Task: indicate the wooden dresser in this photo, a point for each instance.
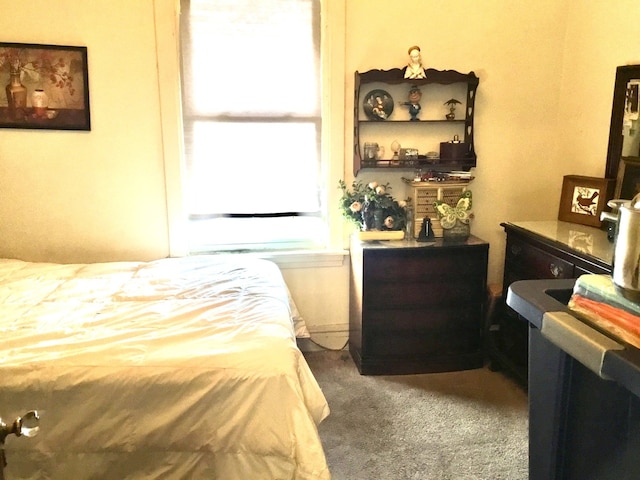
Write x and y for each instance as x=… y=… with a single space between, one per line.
x=540 y=250
x=417 y=307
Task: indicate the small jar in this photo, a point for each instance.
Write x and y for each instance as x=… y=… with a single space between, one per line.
x=39 y=102
x=370 y=151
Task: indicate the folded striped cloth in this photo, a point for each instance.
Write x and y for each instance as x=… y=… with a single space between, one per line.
x=596 y=299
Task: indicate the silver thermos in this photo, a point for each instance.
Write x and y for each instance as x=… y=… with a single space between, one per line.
x=626 y=257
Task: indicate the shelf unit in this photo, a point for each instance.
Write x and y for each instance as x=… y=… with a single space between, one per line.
x=432 y=126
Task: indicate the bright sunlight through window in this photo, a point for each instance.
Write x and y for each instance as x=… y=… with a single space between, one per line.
x=251 y=99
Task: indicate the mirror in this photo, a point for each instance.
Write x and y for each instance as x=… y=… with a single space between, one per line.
x=624 y=133
x=630 y=135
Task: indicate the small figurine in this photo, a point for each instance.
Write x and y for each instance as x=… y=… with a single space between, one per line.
x=452 y=108
x=414 y=103
x=414 y=68
x=395 y=148
x=426 y=232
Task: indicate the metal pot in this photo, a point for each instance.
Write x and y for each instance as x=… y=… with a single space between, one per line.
x=626 y=257
x=611 y=218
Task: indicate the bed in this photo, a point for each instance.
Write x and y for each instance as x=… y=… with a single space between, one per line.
x=181 y=368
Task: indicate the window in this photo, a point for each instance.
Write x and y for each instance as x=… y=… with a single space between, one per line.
x=252 y=123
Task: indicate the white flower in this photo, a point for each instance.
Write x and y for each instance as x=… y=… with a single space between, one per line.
x=373 y=185
x=380 y=190
x=388 y=222
x=402 y=203
x=355 y=207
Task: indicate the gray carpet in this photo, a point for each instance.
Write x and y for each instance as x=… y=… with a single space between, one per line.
x=470 y=425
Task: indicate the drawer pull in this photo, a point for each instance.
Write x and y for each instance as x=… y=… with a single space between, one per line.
x=516 y=249
x=555 y=270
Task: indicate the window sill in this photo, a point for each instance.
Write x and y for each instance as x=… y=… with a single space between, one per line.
x=305 y=258
x=297 y=258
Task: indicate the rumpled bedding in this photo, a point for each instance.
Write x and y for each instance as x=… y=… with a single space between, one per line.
x=182 y=368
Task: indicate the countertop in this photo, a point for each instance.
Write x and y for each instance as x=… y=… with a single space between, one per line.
x=581 y=238
x=543 y=302
x=412 y=243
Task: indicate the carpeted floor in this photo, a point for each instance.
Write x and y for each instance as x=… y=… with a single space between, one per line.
x=470 y=425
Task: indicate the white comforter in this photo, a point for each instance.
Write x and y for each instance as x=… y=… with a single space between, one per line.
x=179 y=368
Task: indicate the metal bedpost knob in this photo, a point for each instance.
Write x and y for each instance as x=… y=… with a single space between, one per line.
x=27 y=425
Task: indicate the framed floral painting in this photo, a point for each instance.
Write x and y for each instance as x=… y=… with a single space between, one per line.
x=45 y=87
x=584 y=198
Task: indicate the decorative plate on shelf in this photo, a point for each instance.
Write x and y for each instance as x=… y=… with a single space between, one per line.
x=378 y=105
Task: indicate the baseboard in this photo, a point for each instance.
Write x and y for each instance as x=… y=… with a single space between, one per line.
x=331 y=337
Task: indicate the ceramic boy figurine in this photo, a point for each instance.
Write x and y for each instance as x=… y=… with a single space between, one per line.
x=414 y=102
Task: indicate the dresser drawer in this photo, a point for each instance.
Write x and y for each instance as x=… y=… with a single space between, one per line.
x=414 y=266
x=525 y=261
x=426 y=332
x=425 y=293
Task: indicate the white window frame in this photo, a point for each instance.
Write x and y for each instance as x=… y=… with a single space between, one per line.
x=333 y=37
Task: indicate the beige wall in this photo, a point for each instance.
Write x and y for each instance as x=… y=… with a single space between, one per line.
x=517 y=54
x=546 y=73
x=598 y=39
x=99 y=195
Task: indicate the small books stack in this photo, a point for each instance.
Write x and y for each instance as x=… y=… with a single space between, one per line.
x=596 y=299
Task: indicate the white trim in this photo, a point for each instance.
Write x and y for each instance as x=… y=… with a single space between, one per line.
x=292 y=259
x=307 y=259
x=167 y=18
x=333 y=38
x=333 y=61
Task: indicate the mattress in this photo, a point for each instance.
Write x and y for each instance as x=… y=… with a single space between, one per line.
x=180 y=368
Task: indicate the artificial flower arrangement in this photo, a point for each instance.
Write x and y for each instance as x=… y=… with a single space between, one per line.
x=41 y=65
x=371 y=207
x=456 y=218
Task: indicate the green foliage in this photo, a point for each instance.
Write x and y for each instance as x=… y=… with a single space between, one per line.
x=359 y=199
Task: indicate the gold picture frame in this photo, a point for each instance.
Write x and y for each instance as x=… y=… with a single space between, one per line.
x=583 y=199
